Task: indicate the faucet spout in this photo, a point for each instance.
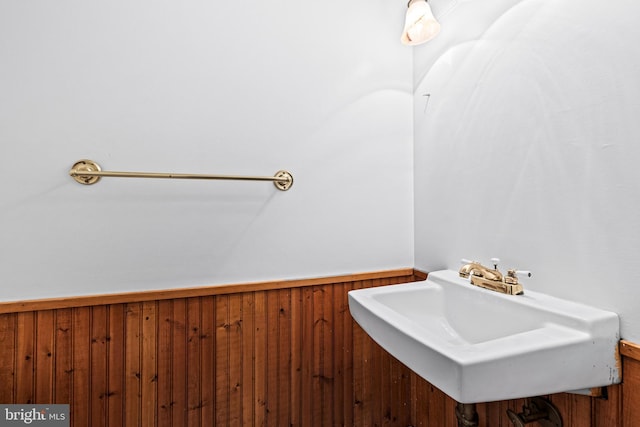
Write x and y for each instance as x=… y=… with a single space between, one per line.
x=466 y=269
x=478 y=270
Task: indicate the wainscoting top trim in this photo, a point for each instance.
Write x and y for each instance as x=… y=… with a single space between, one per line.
x=630 y=350
x=154 y=295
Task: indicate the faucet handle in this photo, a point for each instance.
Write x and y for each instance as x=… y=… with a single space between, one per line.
x=512 y=276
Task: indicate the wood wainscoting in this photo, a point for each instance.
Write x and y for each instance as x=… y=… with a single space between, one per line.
x=264 y=354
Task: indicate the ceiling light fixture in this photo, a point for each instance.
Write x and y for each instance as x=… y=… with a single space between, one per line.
x=420 y=25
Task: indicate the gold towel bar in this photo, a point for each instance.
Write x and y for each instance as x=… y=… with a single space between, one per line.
x=88 y=172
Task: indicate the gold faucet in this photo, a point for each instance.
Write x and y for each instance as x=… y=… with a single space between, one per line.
x=492 y=278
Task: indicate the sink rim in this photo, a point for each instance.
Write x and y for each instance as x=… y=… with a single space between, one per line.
x=530 y=300
x=464 y=359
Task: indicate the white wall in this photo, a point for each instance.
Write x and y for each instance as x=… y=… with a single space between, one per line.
x=527 y=147
x=322 y=89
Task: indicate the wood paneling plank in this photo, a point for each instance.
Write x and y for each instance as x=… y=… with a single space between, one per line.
x=272 y=357
x=165 y=352
x=194 y=401
x=116 y=367
x=284 y=357
x=8 y=338
x=563 y=403
x=132 y=374
x=381 y=386
x=450 y=411
x=607 y=412
x=235 y=362
x=98 y=365
x=494 y=414
x=359 y=372
x=418 y=406
x=222 y=360
x=207 y=359
x=504 y=405
x=339 y=314
x=482 y=413
x=296 y=357
x=425 y=394
x=580 y=409
x=248 y=358
x=307 y=357
x=318 y=355
x=44 y=354
x=179 y=365
x=327 y=350
x=63 y=356
x=148 y=365
x=348 y=325
x=26 y=331
x=399 y=394
x=437 y=407
x=414 y=399
x=80 y=399
x=631 y=393
x=405 y=401
x=367 y=378
x=260 y=352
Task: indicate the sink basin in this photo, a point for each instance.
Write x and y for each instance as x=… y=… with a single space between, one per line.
x=477 y=345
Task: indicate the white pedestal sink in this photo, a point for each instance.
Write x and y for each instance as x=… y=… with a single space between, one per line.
x=478 y=345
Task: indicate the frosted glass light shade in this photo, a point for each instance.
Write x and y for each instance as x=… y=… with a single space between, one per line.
x=420 y=25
